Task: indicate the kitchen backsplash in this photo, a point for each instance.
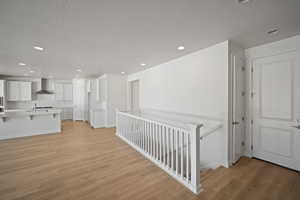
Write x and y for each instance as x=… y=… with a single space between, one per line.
x=41 y=101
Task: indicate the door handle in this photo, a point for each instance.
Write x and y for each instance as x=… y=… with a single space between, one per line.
x=235 y=123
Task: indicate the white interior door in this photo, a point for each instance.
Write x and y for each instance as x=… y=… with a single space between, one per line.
x=135 y=96
x=276 y=108
x=238 y=102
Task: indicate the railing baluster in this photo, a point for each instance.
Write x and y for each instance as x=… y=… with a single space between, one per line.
x=177 y=153
x=142 y=135
x=139 y=133
x=174 y=149
x=187 y=156
x=151 y=140
x=160 y=143
x=181 y=156
x=168 y=147
x=164 y=147
x=157 y=141
x=148 y=138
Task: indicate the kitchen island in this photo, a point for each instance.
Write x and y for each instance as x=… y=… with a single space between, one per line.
x=21 y=123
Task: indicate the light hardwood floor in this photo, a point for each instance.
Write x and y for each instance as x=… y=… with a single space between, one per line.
x=85 y=163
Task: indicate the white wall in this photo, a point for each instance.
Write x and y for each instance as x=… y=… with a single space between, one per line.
x=272 y=49
x=195 y=84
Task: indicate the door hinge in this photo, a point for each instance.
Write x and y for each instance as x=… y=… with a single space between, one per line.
x=251 y=147
x=252 y=94
x=235 y=123
x=252 y=70
x=243 y=68
x=243 y=143
x=243 y=118
x=252 y=121
x=243 y=93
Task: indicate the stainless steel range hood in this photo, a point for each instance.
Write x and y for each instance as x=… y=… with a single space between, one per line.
x=45 y=87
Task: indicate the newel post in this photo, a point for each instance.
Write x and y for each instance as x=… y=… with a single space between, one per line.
x=195 y=157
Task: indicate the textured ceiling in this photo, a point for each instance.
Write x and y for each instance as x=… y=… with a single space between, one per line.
x=114 y=36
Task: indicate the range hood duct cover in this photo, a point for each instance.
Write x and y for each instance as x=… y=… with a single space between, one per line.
x=45 y=87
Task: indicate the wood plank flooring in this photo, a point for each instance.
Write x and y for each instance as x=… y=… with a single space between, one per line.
x=85 y=163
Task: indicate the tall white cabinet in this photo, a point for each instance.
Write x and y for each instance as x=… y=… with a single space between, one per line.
x=2 y=100
x=111 y=95
x=1 y=88
x=64 y=98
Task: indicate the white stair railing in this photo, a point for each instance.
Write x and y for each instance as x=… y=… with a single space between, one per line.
x=175 y=150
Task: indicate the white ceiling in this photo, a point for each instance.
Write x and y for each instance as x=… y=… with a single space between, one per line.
x=110 y=36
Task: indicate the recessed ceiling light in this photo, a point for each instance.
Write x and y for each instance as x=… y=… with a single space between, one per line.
x=31 y=71
x=122 y=72
x=243 y=1
x=78 y=70
x=38 y=48
x=180 y=48
x=143 y=64
x=21 y=64
x=273 y=31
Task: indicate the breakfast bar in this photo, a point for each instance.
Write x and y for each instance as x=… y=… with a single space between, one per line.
x=21 y=123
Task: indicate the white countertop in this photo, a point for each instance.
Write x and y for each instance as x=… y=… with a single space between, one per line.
x=65 y=106
x=20 y=113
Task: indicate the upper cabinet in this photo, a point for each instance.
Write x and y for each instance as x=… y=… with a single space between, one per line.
x=102 y=88
x=63 y=91
x=25 y=91
x=59 y=91
x=19 y=91
x=1 y=88
x=68 y=92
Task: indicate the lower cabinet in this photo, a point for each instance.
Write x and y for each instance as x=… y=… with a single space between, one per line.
x=97 y=118
x=67 y=113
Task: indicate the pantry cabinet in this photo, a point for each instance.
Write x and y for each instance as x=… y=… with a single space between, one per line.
x=111 y=95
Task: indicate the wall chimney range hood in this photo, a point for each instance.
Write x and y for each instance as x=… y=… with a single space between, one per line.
x=45 y=87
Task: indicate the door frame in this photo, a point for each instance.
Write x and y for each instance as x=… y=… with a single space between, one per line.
x=232 y=108
x=130 y=84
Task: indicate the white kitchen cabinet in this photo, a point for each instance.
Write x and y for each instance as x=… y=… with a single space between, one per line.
x=18 y=91
x=97 y=118
x=111 y=95
x=67 y=113
x=68 y=92
x=102 y=88
x=63 y=91
x=59 y=92
x=25 y=91
x=13 y=93
x=1 y=88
